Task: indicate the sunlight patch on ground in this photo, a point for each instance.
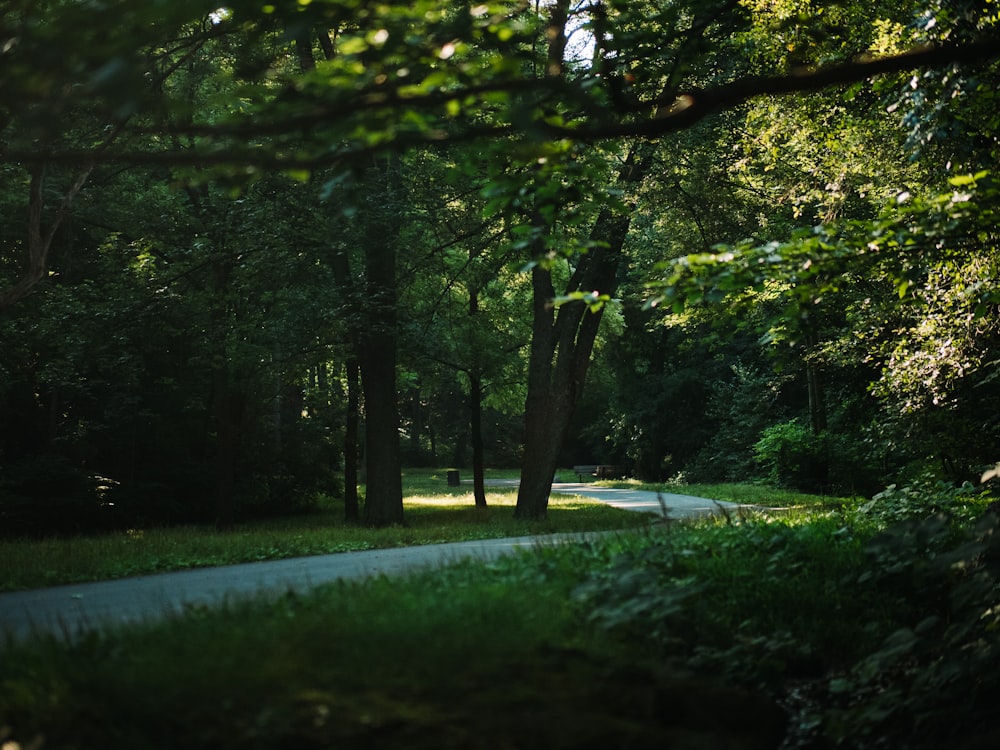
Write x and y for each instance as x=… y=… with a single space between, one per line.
x=459 y=501
x=494 y=500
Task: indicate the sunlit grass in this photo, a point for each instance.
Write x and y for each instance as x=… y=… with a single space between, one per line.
x=434 y=512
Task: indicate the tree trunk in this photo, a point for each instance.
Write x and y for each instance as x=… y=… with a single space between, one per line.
x=540 y=452
x=384 y=498
x=352 y=509
x=561 y=345
x=476 y=417
x=225 y=449
x=476 y=425
x=39 y=241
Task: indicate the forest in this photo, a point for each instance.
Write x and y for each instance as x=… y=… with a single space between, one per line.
x=257 y=252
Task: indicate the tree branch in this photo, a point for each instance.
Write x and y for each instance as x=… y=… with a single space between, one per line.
x=679 y=113
x=693 y=106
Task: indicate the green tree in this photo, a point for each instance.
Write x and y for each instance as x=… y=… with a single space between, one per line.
x=466 y=304
x=270 y=89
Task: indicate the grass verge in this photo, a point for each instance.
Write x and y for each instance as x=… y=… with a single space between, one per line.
x=835 y=627
x=475 y=655
x=435 y=513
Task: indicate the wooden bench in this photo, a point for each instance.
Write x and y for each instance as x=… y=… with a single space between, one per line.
x=600 y=471
x=611 y=471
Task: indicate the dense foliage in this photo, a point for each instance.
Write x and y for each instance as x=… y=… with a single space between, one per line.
x=260 y=253
x=874 y=626
x=246 y=249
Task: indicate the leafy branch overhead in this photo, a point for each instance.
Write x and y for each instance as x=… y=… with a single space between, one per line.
x=912 y=240
x=394 y=75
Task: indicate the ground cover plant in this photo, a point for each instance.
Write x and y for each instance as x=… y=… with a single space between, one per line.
x=835 y=627
x=436 y=513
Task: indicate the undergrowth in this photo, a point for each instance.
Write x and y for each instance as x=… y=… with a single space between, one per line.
x=875 y=626
x=866 y=626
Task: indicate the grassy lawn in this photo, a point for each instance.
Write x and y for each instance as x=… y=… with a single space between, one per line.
x=696 y=635
x=470 y=656
x=435 y=513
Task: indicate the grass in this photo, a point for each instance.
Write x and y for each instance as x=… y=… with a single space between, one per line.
x=429 y=661
x=473 y=655
x=435 y=513
x=682 y=636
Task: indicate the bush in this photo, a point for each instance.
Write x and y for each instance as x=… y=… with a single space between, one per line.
x=793 y=456
x=740 y=408
x=920 y=499
x=873 y=634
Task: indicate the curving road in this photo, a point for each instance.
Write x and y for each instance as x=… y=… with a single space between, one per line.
x=676 y=506
x=71 y=610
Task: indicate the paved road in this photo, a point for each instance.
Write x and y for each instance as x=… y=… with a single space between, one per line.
x=70 y=610
x=677 y=506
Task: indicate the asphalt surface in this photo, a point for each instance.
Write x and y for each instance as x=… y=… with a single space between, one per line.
x=676 y=506
x=69 y=611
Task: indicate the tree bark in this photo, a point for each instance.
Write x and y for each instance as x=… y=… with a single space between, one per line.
x=476 y=426
x=40 y=241
x=384 y=497
x=476 y=414
x=352 y=509
x=561 y=345
x=378 y=343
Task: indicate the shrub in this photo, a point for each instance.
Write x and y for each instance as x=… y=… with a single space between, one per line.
x=740 y=408
x=793 y=456
x=920 y=499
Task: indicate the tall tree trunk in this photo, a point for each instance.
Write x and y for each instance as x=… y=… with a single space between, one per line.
x=352 y=509
x=341 y=267
x=476 y=415
x=224 y=402
x=378 y=343
x=384 y=497
x=476 y=426
x=359 y=358
x=561 y=345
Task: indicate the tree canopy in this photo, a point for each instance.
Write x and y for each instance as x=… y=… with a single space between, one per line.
x=215 y=217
